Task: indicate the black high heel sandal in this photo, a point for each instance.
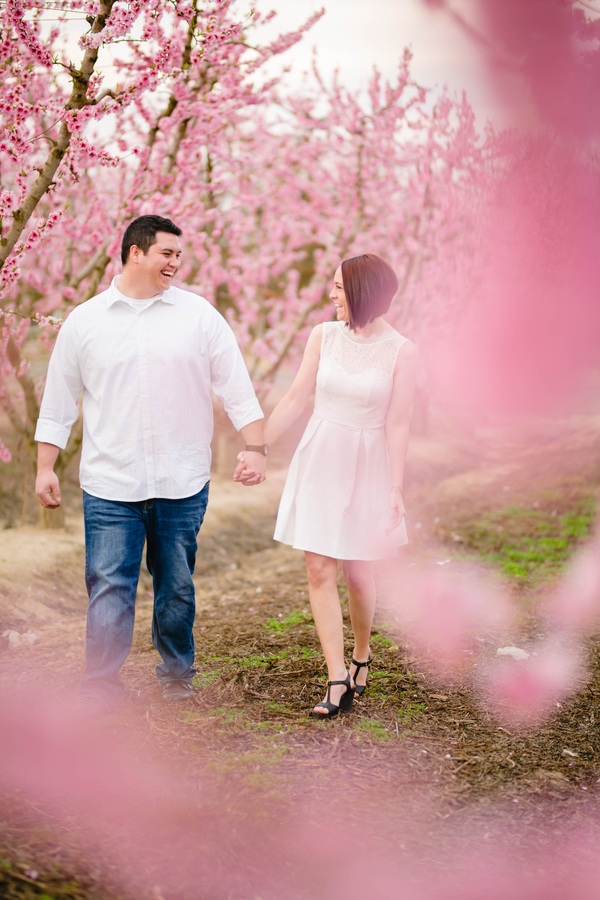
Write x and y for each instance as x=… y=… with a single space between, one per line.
x=345 y=703
x=360 y=688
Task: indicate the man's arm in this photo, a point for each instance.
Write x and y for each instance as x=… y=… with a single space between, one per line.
x=231 y=382
x=47 y=488
x=58 y=412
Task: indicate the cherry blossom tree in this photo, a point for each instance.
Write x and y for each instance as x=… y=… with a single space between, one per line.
x=72 y=172
x=272 y=185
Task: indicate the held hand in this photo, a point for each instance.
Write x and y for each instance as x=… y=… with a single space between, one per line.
x=397 y=510
x=47 y=489
x=241 y=465
x=250 y=469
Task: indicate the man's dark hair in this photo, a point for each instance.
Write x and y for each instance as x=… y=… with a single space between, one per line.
x=369 y=284
x=142 y=233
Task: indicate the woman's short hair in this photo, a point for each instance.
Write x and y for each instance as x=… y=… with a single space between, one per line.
x=369 y=285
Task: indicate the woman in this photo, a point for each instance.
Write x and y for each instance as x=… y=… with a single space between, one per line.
x=342 y=499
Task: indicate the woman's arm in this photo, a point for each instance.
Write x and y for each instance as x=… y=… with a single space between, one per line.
x=397 y=425
x=292 y=404
x=294 y=401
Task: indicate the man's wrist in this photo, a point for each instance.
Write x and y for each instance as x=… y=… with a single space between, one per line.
x=257 y=448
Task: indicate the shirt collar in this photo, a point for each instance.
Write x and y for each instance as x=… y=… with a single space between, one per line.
x=116 y=295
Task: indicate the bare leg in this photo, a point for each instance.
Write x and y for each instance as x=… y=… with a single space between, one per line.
x=361 y=603
x=327 y=613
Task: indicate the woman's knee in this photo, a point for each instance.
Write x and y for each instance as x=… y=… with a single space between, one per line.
x=359 y=578
x=321 y=570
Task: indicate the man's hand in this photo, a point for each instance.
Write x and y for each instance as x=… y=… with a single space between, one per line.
x=251 y=468
x=47 y=489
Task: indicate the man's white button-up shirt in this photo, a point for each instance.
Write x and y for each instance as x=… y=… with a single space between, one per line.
x=147 y=377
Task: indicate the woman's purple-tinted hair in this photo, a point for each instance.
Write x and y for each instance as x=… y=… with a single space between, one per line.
x=369 y=284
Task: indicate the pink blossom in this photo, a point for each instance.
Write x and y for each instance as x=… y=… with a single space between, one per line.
x=270 y=184
x=574 y=605
x=523 y=693
x=50 y=321
x=113 y=784
x=444 y=614
x=532 y=334
x=32 y=239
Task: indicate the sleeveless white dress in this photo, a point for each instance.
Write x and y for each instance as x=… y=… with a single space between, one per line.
x=336 y=496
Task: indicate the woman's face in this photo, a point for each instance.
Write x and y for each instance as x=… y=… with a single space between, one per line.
x=338 y=296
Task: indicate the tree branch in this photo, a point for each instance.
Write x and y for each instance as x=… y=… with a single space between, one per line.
x=77 y=100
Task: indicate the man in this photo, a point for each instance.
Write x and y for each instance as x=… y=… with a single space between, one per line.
x=147 y=357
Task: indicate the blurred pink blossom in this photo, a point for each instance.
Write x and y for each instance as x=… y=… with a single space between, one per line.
x=443 y=615
x=575 y=603
x=530 y=332
x=524 y=693
x=134 y=811
x=528 y=336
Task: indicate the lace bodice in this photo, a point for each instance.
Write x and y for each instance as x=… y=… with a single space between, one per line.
x=354 y=381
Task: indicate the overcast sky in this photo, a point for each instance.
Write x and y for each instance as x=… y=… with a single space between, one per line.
x=355 y=35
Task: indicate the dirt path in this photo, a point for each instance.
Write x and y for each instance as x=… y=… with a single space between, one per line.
x=417 y=772
x=42 y=590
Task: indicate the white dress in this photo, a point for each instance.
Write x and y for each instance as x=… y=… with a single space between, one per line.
x=336 y=496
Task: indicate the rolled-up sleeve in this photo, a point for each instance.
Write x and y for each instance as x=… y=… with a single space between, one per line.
x=229 y=376
x=59 y=409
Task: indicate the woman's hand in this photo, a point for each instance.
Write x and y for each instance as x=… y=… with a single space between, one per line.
x=397 y=509
x=247 y=475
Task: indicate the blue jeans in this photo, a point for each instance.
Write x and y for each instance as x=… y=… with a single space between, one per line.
x=115 y=533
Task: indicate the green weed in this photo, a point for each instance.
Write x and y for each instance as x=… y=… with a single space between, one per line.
x=234 y=662
x=277 y=626
x=306 y=653
x=410 y=712
x=265 y=727
x=221 y=661
x=378 y=684
x=373 y=729
x=227 y=714
x=382 y=641
x=274 y=707
x=204 y=679
x=531 y=544
x=251 y=662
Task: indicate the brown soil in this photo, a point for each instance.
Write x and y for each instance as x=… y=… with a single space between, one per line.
x=418 y=773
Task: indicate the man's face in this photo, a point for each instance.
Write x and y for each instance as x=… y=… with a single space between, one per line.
x=156 y=268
